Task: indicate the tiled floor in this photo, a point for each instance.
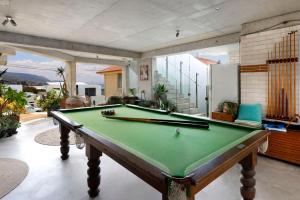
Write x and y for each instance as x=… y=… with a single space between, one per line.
x=51 y=178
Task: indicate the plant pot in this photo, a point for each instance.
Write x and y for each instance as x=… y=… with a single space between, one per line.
x=8 y=132
x=74 y=102
x=3 y=134
x=130 y=99
x=11 y=132
x=62 y=103
x=49 y=113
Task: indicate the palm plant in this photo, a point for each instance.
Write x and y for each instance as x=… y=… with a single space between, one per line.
x=63 y=87
x=132 y=91
x=160 y=95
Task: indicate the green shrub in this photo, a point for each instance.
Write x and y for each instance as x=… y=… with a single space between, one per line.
x=8 y=125
x=132 y=91
x=146 y=103
x=115 y=100
x=50 y=102
x=160 y=95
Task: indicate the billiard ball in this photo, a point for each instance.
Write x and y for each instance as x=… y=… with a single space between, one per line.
x=108 y=112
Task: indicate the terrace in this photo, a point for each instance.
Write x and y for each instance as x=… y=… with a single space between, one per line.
x=197 y=59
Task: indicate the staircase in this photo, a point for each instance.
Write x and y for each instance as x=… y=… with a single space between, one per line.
x=181 y=102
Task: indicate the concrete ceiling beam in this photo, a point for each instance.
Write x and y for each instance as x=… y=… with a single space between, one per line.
x=281 y=21
x=7 y=51
x=101 y=61
x=49 y=53
x=201 y=44
x=43 y=42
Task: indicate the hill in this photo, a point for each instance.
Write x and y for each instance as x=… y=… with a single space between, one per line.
x=24 y=79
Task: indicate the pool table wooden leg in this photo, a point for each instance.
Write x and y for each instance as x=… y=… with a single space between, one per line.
x=93 y=171
x=64 y=142
x=247 y=179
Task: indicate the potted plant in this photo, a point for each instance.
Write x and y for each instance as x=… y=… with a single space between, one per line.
x=229 y=108
x=50 y=102
x=64 y=94
x=160 y=95
x=8 y=125
x=12 y=104
x=132 y=98
x=168 y=106
x=114 y=100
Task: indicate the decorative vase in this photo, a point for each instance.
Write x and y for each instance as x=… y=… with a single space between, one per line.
x=62 y=103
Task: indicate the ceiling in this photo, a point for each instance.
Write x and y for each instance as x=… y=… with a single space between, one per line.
x=138 y=25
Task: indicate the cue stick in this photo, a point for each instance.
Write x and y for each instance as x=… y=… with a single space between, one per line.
x=283 y=79
x=271 y=86
x=275 y=82
x=278 y=81
x=289 y=83
x=279 y=78
x=197 y=124
x=287 y=79
x=152 y=119
x=280 y=55
x=295 y=75
x=290 y=77
x=268 y=110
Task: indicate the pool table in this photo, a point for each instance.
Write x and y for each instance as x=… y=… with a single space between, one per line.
x=176 y=164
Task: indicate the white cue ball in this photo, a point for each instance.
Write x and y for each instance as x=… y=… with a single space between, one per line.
x=178 y=130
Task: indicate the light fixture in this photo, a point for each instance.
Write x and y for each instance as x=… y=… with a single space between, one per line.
x=177 y=33
x=217 y=9
x=9 y=19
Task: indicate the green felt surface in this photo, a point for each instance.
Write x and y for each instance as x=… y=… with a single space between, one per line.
x=158 y=144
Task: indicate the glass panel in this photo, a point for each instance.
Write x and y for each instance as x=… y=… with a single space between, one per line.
x=186 y=78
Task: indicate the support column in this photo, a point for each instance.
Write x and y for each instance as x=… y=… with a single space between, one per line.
x=180 y=78
x=70 y=70
x=167 y=68
x=125 y=76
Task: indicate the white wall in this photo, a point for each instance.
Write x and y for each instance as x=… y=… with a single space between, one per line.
x=99 y=98
x=254 y=51
x=223 y=85
x=133 y=75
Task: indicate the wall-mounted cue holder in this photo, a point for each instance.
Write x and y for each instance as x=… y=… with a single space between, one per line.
x=282 y=79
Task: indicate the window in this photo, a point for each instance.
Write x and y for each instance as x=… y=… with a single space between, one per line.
x=119 y=80
x=90 y=92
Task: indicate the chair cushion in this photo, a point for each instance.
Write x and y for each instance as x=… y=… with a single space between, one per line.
x=254 y=124
x=250 y=112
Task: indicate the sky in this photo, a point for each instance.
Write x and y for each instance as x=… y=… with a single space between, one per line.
x=44 y=66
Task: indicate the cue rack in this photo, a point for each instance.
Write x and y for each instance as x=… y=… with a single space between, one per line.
x=282 y=79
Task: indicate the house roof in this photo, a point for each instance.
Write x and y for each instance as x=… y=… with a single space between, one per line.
x=207 y=61
x=110 y=69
